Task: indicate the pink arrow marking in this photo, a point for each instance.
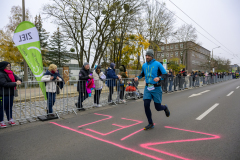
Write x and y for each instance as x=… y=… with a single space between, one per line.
x=147 y=145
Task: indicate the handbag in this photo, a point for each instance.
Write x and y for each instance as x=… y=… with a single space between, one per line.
x=57 y=89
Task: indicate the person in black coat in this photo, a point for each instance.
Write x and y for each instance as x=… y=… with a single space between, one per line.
x=170 y=78
x=84 y=75
x=111 y=80
x=8 y=83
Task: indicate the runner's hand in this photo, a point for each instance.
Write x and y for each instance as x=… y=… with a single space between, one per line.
x=51 y=78
x=136 y=79
x=156 y=79
x=57 y=78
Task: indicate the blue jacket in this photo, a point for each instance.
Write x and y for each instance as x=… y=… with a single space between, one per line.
x=111 y=77
x=151 y=70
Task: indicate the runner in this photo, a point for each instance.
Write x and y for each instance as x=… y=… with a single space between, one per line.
x=153 y=72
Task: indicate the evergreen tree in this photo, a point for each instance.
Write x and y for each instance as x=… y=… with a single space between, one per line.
x=57 y=49
x=43 y=38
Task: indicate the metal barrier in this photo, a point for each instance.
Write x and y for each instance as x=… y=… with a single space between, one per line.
x=30 y=102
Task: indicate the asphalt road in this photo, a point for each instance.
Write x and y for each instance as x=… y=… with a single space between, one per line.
x=115 y=132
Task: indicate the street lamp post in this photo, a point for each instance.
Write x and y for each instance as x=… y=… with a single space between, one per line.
x=212 y=55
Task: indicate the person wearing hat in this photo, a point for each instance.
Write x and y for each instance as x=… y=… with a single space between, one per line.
x=84 y=75
x=8 y=83
x=111 y=80
x=51 y=78
x=98 y=77
x=154 y=72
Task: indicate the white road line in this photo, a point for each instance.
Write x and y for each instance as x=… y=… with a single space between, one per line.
x=230 y=93
x=237 y=87
x=199 y=94
x=207 y=111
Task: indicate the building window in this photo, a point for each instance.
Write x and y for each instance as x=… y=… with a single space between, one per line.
x=181 y=45
x=162 y=55
x=171 y=55
x=162 y=48
x=193 y=54
x=167 y=54
x=181 y=53
x=167 y=47
x=176 y=46
x=176 y=54
x=171 y=46
x=158 y=55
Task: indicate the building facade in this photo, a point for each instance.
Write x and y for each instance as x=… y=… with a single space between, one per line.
x=190 y=54
x=234 y=68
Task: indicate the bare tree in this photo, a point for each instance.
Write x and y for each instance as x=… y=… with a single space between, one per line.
x=160 y=22
x=90 y=24
x=185 y=33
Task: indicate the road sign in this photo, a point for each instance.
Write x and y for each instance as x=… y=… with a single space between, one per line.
x=165 y=63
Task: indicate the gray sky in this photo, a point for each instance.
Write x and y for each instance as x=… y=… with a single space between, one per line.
x=221 y=18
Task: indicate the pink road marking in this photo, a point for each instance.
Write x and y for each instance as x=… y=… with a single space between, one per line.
x=121 y=127
x=131 y=134
x=146 y=145
x=109 y=117
x=118 y=125
x=109 y=142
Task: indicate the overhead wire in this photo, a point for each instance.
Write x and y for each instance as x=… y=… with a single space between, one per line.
x=200 y=32
x=200 y=26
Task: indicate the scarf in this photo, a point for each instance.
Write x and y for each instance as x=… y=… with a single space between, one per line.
x=55 y=75
x=10 y=75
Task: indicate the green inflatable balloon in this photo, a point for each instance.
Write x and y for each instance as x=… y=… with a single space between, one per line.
x=27 y=41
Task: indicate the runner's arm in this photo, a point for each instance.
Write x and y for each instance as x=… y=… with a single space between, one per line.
x=141 y=75
x=161 y=71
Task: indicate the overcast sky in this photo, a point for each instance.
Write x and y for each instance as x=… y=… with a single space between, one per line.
x=220 y=18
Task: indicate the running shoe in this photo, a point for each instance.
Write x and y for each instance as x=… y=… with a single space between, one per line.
x=167 y=112
x=150 y=126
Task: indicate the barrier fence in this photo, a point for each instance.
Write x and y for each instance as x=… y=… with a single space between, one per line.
x=29 y=102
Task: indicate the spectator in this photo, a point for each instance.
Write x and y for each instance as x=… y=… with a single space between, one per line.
x=123 y=82
x=8 y=83
x=237 y=75
x=98 y=77
x=50 y=78
x=164 y=82
x=211 y=77
x=184 y=80
x=84 y=75
x=203 y=77
x=111 y=80
x=170 y=77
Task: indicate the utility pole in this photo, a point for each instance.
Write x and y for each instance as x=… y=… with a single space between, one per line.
x=25 y=63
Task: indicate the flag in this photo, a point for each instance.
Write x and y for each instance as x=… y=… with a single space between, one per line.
x=27 y=41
